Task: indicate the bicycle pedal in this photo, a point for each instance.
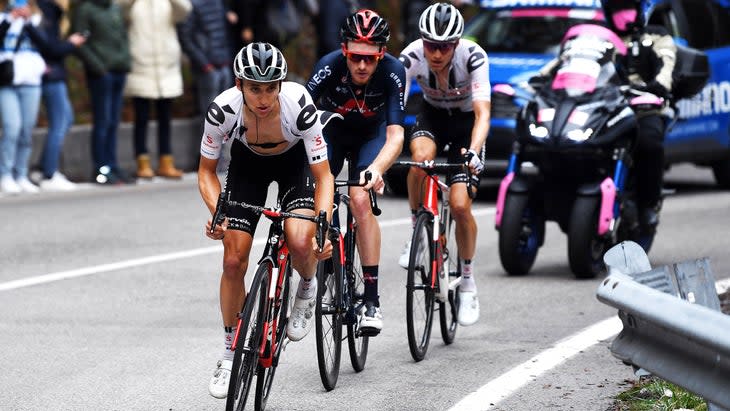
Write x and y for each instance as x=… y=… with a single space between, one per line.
x=368 y=332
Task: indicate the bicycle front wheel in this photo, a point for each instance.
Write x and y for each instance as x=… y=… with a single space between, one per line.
x=245 y=360
x=419 y=290
x=328 y=326
x=356 y=342
x=276 y=340
x=449 y=308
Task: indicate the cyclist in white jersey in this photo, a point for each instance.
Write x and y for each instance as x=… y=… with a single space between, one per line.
x=277 y=136
x=454 y=76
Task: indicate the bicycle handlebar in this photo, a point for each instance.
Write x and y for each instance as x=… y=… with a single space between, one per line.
x=371 y=193
x=272 y=213
x=430 y=166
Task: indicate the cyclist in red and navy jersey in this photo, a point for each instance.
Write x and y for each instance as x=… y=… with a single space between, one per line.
x=277 y=136
x=365 y=85
x=454 y=76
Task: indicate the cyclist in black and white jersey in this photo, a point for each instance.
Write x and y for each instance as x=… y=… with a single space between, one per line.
x=277 y=136
x=454 y=76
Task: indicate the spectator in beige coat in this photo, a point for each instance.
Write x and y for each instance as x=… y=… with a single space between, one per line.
x=156 y=76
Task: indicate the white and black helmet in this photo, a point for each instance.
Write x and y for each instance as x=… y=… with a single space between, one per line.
x=441 y=22
x=260 y=62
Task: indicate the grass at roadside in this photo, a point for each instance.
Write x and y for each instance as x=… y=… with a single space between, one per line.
x=655 y=394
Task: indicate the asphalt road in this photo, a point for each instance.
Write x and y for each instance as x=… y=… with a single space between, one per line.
x=109 y=301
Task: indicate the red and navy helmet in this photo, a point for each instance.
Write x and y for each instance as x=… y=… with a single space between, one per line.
x=365 y=26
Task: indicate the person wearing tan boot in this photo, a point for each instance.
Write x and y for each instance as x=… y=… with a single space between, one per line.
x=155 y=78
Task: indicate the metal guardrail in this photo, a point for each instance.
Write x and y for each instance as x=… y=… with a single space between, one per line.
x=679 y=341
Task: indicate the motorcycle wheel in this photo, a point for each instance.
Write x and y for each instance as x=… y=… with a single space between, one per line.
x=519 y=235
x=585 y=246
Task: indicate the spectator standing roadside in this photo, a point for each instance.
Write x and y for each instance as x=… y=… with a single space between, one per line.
x=106 y=61
x=331 y=15
x=49 y=36
x=19 y=100
x=204 y=39
x=155 y=77
x=410 y=14
x=236 y=16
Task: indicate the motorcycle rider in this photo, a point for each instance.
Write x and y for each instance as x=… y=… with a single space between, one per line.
x=648 y=66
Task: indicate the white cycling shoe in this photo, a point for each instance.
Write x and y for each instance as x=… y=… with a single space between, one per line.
x=405 y=256
x=302 y=316
x=468 y=308
x=218 y=386
x=370 y=320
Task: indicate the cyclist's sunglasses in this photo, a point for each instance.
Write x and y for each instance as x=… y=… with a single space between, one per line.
x=368 y=58
x=432 y=46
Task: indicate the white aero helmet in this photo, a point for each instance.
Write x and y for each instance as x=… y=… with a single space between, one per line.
x=441 y=22
x=260 y=62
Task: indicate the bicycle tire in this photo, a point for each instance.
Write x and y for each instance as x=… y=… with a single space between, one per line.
x=245 y=360
x=449 y=309
x=419 y=282
x=357 y=344
x=328 y=312
x=265 y=376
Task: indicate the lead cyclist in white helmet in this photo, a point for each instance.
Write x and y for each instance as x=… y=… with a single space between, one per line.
x=277 y=136
x=454 y=76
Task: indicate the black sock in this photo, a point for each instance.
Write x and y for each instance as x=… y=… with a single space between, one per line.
x=370 y=277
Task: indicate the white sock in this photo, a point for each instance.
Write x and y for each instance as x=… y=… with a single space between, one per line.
x=306 y=287
x=230 y=334
x=467 y=281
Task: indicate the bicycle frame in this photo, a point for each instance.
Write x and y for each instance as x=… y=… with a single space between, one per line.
x=439 y=213
x=277 y=252
x=346 y=245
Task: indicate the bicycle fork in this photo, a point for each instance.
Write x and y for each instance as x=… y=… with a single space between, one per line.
x=269 y=344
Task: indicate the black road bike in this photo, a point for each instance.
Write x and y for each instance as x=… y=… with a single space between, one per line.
x=340 y=294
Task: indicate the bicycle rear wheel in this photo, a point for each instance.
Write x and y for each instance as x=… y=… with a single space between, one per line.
x=356 y=342
x=245 y=360
x=419 y=291
x=280 y=313
x=449 y=309
x=328 y=326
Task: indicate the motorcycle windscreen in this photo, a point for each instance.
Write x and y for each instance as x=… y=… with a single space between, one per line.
x=577 y=76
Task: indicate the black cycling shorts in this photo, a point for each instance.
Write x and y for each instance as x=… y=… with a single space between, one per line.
x=249 y=177
x=451 y=131
x=359 y=147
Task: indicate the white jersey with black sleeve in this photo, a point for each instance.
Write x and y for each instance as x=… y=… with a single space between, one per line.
x=468 y=76
x=300 y=120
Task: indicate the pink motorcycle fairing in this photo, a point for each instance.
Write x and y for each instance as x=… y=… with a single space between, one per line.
x=647 y=99
x=503 y=186
x=608 y=197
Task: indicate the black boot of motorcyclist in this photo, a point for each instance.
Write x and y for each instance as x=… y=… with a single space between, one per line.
x=650 y=175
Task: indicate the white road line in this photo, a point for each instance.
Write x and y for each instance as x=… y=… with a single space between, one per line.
x=500 y=388
x=105 y=268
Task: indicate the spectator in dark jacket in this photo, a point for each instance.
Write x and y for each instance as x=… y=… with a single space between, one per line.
x=106 y=61
x=59 y=111
x=204 y=39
